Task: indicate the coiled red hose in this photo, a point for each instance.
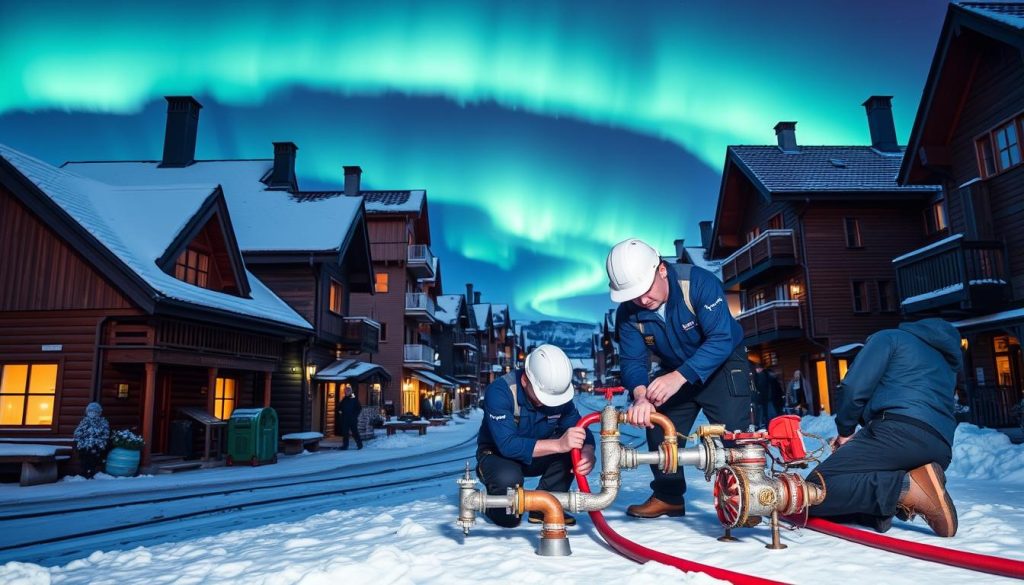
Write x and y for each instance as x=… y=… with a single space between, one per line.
x=926 y=552
x=642 y=554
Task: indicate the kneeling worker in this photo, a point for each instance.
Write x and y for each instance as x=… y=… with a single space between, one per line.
x=900 y=388
x=528 y=431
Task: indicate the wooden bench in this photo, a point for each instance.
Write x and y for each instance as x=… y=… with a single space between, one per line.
x=38 y=462
x=417 y=425
x=439 y=422
x=294 y=443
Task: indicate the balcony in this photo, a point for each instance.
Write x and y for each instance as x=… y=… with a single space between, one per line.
x=953 y=274
x=420 y=261
x=360 y=334
x=466 y=367
x=463 y=339
x=420 y=307
x=772 y=321
x=419 y=356
x=759 y=258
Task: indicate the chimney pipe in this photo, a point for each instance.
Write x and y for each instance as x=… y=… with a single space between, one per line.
x=353 y=175
x=680 y=249
x=705 y=235
x=880 y=123
x=476 y=298
x=785 y=132
x=282 y=177
x=182 y=127
x=469 y=293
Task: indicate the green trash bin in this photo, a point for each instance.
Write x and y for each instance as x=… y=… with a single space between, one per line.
x=252 y=436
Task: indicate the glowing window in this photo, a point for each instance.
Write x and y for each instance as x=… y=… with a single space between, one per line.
x=27 y=394
x=381 y=282
x=224 y=398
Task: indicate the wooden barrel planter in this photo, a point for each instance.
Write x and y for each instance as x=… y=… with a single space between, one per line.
x=123 y=462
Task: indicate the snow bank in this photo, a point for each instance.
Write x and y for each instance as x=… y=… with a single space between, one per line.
x=986 y=454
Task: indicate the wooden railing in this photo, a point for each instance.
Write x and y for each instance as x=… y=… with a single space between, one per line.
x=769 y=317
x=464 y=339
x=196 y=337
x=772 y=246
x=953 y=271
x=360 y=334
x=992 y=406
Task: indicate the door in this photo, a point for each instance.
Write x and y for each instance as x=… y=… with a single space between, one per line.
x=162 y=413
x=821 y=383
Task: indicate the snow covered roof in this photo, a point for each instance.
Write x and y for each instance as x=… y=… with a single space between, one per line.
x=1011 y=13
x=264 y=220
x=394 y=201
x=823 y=168
x=846 y=349
x=498 y=314
x=137 y=224
x=432 y=379
x=1000 y=317
x=481 y=312
x=351 y=369
x=448 y=308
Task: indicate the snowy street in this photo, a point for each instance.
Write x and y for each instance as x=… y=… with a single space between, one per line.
x=367 y=520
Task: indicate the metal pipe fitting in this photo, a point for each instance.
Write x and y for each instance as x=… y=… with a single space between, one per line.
x=554 y=540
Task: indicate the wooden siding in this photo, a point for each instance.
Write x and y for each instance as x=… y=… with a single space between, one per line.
x=295 y=285
x=39 y=271
x=389 y=239
x=287 y=387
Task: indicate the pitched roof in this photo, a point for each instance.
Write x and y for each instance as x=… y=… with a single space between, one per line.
x=1011 y=13
x=448 y=308
x=821 y=169
x=264 y=220
x=499 y=314
x=481 y=312
x=394 y=201
x=138 y=224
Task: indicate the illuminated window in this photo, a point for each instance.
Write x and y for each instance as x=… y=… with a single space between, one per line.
x=935 y=217
x=821 y=375
x=27 y=394
x=224 y=398
x=336 y=296
x=193 y=267
x=381 y=282
x=843 y=367
x=1004 y=347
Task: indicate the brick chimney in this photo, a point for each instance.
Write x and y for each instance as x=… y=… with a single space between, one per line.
x=883 y=129
x=353 y=175
x=680 y=249
x=283 y=176
x=785 y=132
x=476 y=298
x=182 y=127
x=469 y=293
x=705 y=234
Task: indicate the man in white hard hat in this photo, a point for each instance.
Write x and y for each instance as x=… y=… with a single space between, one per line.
x=529 y=429
x=679 y=314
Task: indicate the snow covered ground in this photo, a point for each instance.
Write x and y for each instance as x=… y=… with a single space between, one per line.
x=408 y=535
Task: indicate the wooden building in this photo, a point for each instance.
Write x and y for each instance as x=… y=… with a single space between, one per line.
x=806 y=235
x=457 y=346
x=967 y=138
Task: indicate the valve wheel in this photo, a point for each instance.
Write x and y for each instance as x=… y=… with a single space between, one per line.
x=731 y=492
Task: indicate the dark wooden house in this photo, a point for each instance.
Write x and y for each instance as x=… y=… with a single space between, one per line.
x=457 y=347
x=807 y=235
x=967 y=137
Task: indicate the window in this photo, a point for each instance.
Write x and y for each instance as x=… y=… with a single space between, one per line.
x=27 y=394
x=769 y=359
x=775 y=223
x=756 y=298
x=337 y=295
x=381 y=282
x=1007 y=145
x=752 y=234
x=860 y=296
x=852 y=232
x=999 y=149
x=193 y=267
x=383 y=332
x=986 y=160
x=844 y=366
x=224 y=398
x=935 y=217
x=887 y=296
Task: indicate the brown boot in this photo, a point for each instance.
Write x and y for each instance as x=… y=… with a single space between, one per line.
x=928 y=497
x=654 y=507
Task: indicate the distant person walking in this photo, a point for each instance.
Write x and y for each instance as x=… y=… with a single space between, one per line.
x=346 y=420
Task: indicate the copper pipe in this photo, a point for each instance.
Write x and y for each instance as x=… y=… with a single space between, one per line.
x=662 y=421
x=547 y=504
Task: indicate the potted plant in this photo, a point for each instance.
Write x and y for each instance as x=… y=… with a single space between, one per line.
x=123 y=459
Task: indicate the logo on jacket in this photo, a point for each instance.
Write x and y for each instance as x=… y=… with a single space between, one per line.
x=649 y=339
x=554 y=418
x=502 y=417
x=712 y=306
x=690 y=325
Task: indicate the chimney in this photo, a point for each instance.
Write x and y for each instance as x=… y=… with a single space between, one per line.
x=785 y=132
x=705 y=234
x=352 y=177
x=469 y=293
x=283 y=175
x=476 y=298
x=680 y=249
x=180 y=135
x=883 y=130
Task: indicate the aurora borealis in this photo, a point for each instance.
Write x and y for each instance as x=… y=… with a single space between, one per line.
x=540 y=130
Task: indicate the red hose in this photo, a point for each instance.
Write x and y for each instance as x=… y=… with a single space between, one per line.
x=927 y=552
x=642 y=554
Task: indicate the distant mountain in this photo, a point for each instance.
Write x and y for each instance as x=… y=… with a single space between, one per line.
x=573 y=338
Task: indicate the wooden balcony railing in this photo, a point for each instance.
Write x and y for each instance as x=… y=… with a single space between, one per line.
x=770 y=321
x=954 y=272
x=360 y=334
x=172 y=334
x=771 y=249
x=463 y=339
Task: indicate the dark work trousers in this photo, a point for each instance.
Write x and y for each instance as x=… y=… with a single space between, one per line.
x=90 y=461
x=725 y=398
x=864 y=477
x=350 y=428
x=499 y=473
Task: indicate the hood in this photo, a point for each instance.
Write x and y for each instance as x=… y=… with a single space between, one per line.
x=94 y=409
x=941 y=335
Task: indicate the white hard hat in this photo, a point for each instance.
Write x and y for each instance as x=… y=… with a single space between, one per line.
x=550 y=374
x=631 y=267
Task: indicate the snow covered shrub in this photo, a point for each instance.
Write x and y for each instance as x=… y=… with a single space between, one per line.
x=126 y=439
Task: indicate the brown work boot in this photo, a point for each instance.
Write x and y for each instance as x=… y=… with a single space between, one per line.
x=927 y=496
x=654 y=508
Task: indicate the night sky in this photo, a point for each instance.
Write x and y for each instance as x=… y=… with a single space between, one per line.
x=543 y=132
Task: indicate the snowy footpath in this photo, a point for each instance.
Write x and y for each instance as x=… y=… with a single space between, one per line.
x=408 y=535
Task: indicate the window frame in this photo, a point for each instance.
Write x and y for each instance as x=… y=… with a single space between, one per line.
x=182 y=268
x=776 y=222
x=14 y=360
x=883 y=306
x=336 y=297
x=377 y=284
x=858 y=236
x=382 y=333
x=989 y=139
x=219 y=401
x=865 y=296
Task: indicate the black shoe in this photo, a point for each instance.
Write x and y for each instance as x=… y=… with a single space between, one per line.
x=538 y=518
x=882 y=524
x=359 y=447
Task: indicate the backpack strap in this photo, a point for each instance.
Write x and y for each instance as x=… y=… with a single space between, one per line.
x=513 y=385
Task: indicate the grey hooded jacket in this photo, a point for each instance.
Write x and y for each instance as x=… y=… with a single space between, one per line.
x=910 y=371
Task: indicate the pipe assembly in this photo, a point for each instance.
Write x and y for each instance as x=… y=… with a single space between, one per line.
x=745 y=490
